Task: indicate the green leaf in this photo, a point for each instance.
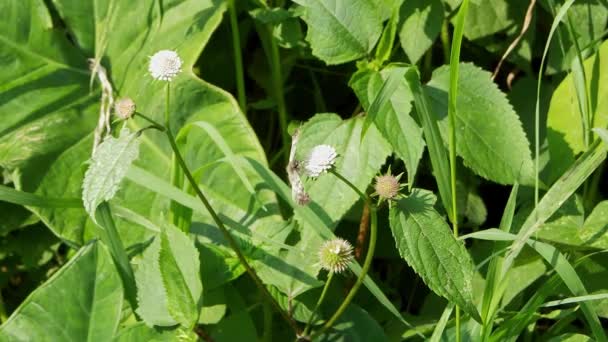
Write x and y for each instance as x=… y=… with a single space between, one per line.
x=564 y=126
x=355 y=324
x=168 y=280
x=141 y=332
x=593 y=231
x=561 y=190
x=341 y=31
x=178 y=262
x=437 y=150
x=428 y=245
x=81 y=302
x=109 y=165
x=394 y=121
x=358 y=160
x=562 y=267
x=489 y=136
x=385 y=46
x=422 y=22
x=491 y=16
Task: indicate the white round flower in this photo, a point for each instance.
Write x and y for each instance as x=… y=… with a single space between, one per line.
x=335 y=255
x=165 y=65
x=124 y=108
x=320 y=159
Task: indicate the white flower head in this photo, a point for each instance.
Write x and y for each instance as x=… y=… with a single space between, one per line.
x=320 y=160
x=335 y=255
x=165 y=65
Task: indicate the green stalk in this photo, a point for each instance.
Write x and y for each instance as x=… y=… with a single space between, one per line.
x=452 y=97
x=330 y=277
x=231 y=241
x=368 y=258
x=238 y=58
x=3 y=315
x=277 y=85
x=110 y=237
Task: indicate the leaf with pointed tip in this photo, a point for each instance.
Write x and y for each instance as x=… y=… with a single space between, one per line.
x=81 y=302
x=341 y=31
x=109 y=165
x=428 y=245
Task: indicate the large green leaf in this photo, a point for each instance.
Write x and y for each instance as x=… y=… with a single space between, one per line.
x=394 y=122
x=52 y=162
x=358 y=160
x=81 y=302
x=564 y=124
x=422 y=22
x=168 y=280
x=340 y=31
x=428 y=245
x=141 y=332
x=492 y=16
x=489 y=136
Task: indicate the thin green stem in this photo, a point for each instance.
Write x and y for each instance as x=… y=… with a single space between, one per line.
x=277 y=85
x=238 y=58
x=363 y=196
x=267 y=333
x=231 y=241
x=3 y=314
x=445 y=41
x=452 y=98
x=368 y=258
x=366 y=266
x=111 y=238
x=330 y=277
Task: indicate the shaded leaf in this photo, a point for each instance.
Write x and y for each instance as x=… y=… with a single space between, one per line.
x=422 y=22
x=81 y=302
x=340 y=31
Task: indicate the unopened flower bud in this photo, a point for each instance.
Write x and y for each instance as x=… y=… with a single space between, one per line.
x=124 y=108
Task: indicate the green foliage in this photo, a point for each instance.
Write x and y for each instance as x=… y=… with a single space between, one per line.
x=195 y=219
x=426 y=242
x=340 y=31
x=489 y=135
x=81 y=302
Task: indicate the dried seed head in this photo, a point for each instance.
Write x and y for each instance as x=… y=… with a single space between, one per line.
x=387 y=186
x=165 y=65
x=335 y=255
x=320 y=160
x=124 y=108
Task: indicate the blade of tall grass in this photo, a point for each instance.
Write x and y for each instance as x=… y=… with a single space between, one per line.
x=556 y=21
x=494 y=289
x=442 y=323
x=563 y=188
x=382 y=100
x=577 y=299
x=238 y=58
x=437 y=151
x=452 y=99
x=562 y=267
x=11 y=195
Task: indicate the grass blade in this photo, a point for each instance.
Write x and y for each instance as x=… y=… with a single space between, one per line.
x=562 y=267
x=8 y=194
x=383 y=99
x=437 y=151
x=575 y=299
x=441 y=324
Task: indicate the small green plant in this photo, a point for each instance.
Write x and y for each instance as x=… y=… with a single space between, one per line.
x=307 y=170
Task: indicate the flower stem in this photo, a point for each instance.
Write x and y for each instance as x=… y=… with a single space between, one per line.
x=277 y=85
x=238 y=58
x=330 y=277
x=368 y=258
x=366 y=266
x=231 y=241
